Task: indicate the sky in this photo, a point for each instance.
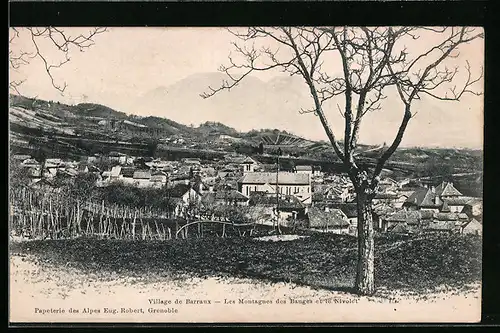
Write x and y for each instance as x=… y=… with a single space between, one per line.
x=132 y=69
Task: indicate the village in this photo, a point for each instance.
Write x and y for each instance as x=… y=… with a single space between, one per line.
x=300 y=197
x=259 y=170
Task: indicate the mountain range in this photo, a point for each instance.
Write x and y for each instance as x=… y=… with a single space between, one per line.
x=252 y=104
x=276 y=103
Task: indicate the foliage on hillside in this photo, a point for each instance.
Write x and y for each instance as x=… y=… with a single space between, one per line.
x=169 y=126
x=98 y=110
x=214 y=127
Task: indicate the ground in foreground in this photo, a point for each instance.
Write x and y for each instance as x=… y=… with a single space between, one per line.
x=432 y=278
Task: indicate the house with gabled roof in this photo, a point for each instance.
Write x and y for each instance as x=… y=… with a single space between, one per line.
x=231 y=197
x=333 y=220
x=50 y=171
x=424 y=198
x=406 y=217
x=115 y=172
x=289 y=206
x=446 y=222
x=83 y=168
x=336 y=193
x=142 y=178
x=183 y=196
x=388 y=185
x=474 y=208
x=456 y=204
x=350 y=210
x=446 y=190
x=380 y=212
x=200 y=186
x=383 y=197
x=307 y=169
x=249 y=164
x=142 y=175
x=445 y=196
x=473 y=227
x=158 y=178
x=118 y=157
x=285 y=183
x=128 y=172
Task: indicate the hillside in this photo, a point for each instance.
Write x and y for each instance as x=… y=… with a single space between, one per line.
x=88 y=128
x=216 y=128
x=97 y=110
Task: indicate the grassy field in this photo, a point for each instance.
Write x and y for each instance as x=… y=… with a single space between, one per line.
x=414 y=264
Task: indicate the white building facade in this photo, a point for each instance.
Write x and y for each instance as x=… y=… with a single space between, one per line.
x=296 y=184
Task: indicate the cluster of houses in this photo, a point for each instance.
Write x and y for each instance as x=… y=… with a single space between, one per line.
x=303 y=196
x=441 y=208
x=50 y=169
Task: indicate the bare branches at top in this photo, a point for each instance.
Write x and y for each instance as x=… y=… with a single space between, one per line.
x=306 y=44
x=371 y=61
x=426 y=74
x=58 y=38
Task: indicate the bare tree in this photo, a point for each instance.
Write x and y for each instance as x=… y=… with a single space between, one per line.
x=56 y=37
x=373 y=60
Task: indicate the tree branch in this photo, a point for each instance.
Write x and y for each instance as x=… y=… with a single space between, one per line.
x=59 y=38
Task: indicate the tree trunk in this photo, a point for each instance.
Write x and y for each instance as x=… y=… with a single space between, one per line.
x=366 y=246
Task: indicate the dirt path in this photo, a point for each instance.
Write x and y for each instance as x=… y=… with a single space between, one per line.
x=36 y=285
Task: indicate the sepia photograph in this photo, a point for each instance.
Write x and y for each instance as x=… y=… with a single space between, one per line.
x=288 y=174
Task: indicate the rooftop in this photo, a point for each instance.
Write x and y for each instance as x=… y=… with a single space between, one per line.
x=270 y=178
x=321 y=219
x=303 y=168
x=457 y=201
x=142 y=174
x=349 y=209
x=248 y=160
x=230 y=195
x=447 y=189
x=179 y=190
x=424 y=197
x=285 y=201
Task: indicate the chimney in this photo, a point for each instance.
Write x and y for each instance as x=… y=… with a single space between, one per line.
x=436 y=200
x=433 y=189
x=186 y=181
x=327 y=209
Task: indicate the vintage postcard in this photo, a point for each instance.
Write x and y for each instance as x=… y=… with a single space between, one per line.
x=250 y=175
